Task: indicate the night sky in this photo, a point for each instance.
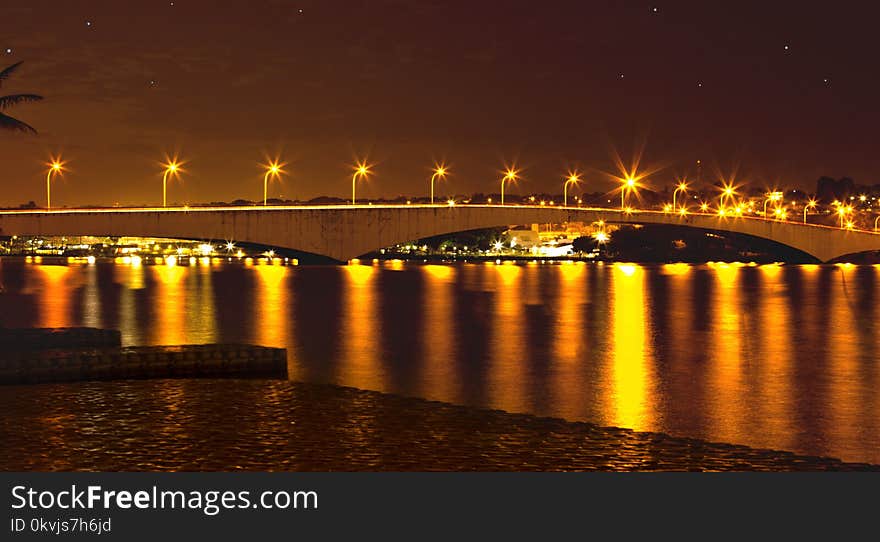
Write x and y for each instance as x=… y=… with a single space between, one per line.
x=781 y=92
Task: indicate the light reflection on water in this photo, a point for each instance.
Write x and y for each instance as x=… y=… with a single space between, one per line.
x=769 y=356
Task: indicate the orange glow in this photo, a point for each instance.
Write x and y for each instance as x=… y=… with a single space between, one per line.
x=55 y=289
x=361 y=364
x=362 y=169
x=630 y=396
x=271 y=305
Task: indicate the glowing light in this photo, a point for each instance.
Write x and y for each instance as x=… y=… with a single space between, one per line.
x=273 y=169
x=704 y=207
x=362 y=170
x=667 y=208
x=56 y=167
x=451 y=202
x=439 y=173
x=171 y=168
x=573 y=178
x=511 y=174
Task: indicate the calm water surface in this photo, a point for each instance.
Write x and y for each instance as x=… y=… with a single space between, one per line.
x=768 y=356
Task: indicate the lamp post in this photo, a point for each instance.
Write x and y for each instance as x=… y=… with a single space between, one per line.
x=682 y=187
x=55 y=168
x=273 y=169
x=727 y=191
x=842 y=211
x=573 y=178
x=171 y=168
x=439 y=171
x=360 y=170
x=509 y=176
x=772 y=196
x=628 y=184
x=810 y=205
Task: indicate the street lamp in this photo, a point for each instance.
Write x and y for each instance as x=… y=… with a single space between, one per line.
x=56 y=166
x=360 y=170
x=439 y=171
x=573 y=178
x=628 y=184
x=842 y=211
x=682 y=187
x=172 y=167
x=273 y=169
x=810 y=205
x=780 y=213
x=510 y=175
x=727 y=191
x=771 y=196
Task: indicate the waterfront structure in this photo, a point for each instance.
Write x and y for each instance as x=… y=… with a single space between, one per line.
x=344 y=232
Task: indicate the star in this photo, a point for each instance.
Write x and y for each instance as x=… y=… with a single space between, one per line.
x=699 y=83
x=9 y=50
x=786 y=48
x=620 y=76
x=655 y=9
x=88 y=23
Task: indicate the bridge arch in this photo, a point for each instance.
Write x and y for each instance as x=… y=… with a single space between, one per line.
x=345 y=232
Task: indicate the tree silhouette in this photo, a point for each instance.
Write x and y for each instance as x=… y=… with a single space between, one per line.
x=11 y=123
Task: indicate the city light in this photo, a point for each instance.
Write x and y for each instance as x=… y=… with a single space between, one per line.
x=728 y=191
x=704 y=207
x=842 y=212
x=780 y=213
x=439 y=172
x=668 y=208
x=573 y=178
x=56 y=167
x=274 y=169
x=510 y=175
x=362 y=170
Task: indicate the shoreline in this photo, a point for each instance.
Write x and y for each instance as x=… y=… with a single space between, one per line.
x=297 y=426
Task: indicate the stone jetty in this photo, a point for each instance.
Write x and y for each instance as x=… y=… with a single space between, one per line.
x=185 y=361
x=18 y=339
x=36 y=355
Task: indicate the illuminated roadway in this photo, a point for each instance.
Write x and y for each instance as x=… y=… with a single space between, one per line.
x=344 y=232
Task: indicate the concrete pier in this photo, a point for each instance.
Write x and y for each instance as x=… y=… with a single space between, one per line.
x=186 y=361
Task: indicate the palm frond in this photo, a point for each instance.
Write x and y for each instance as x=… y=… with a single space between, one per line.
x=8 y=71
x=15 y=99
x=9 y=123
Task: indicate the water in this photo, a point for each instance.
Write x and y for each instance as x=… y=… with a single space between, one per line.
x=769 y=356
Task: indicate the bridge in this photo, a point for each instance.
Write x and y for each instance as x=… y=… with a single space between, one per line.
x=344 y=232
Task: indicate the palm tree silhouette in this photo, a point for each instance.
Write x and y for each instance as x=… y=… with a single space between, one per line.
x=7 y=122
